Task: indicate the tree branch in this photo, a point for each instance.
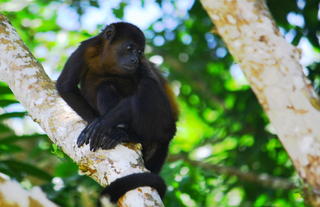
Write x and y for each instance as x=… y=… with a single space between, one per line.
x=37 y=93
x=272 y=68
x=261 y=179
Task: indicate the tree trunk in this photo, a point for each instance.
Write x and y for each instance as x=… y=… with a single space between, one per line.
x=37 y=93
x=272 y=68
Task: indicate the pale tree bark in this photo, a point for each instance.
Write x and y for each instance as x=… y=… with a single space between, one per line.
x=12 y=194
x=272 y=68
x=37 y=93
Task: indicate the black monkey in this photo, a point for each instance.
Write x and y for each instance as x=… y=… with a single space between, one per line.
x=123 y=98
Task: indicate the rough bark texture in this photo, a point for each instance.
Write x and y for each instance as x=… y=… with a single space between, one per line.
x=37 y=94
x=272 y=67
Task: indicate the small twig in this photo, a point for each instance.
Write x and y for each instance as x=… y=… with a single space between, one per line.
x=261 y=179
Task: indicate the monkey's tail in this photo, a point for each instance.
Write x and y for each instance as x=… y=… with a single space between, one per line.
x=122 y=185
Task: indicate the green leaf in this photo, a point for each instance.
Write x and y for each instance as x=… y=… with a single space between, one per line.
x=22 y=168
x=119 y=12
x=57 y=151
x=66 y=169
x=5 y=130
x=94 y=3
x=13 y=115
x=4 y=89
x=12 y=139
x=9 y=149
x=4 y=102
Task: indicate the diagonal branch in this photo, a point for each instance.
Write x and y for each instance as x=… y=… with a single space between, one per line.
x=261 y=179
x=37 y=93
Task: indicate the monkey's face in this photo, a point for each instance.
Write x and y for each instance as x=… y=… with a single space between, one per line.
x=129 y=56
x=122 y=48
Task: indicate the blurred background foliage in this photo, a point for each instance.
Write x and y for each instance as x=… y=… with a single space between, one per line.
x=225 y=152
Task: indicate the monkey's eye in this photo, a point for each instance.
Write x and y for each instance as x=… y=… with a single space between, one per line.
x=139 y=52
x=129 y=47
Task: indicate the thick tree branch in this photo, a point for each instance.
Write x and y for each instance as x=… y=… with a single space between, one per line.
x=37 y=94
x=272 y=67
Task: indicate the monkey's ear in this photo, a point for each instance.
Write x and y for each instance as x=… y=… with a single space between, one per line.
x=109 y=32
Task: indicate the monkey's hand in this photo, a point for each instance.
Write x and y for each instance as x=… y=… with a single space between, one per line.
x=116 y=136
x=85 y=135
x=100 y=135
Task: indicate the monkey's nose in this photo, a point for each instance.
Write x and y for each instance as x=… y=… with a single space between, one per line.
x=134 y=60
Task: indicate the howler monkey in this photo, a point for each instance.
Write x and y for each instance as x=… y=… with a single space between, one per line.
x=123 y=98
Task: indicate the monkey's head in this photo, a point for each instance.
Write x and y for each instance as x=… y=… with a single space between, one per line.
x=123 y=48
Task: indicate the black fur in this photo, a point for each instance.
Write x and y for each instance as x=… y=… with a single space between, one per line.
x=122 y=185
x=123 y=98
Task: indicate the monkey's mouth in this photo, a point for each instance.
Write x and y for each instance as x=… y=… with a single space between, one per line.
x=129 y=68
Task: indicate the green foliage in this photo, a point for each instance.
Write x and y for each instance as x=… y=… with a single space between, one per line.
x=221 y=122
x=18 y=170
x=119 y=11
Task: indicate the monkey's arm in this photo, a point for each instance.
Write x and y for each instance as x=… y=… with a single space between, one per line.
x=147 y=112
x=98 y=132
x=67 y=86
x=107 y=99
